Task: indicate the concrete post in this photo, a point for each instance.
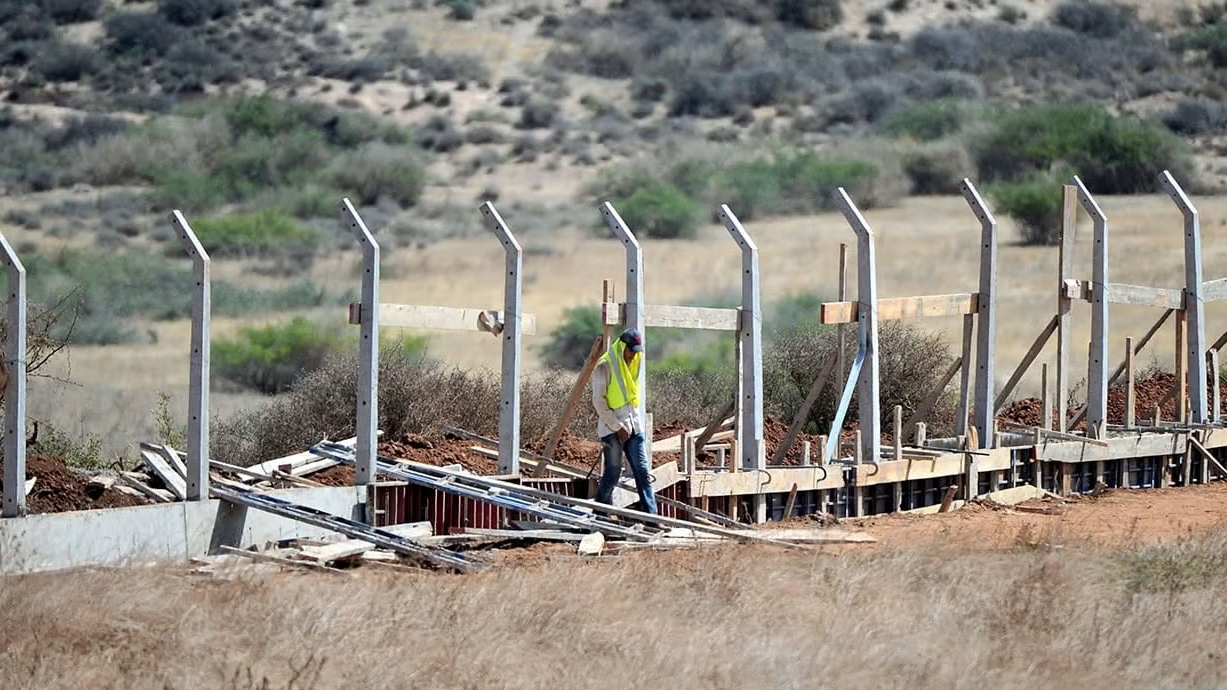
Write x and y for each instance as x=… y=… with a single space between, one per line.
x=1097 y=373
x=509 y=409
x=198 y=385
x=15 y=391
x=867 y=322
x=1194 y=304
x=750 y=333
x=634 y=292
x=368 y=353
x=986 y=314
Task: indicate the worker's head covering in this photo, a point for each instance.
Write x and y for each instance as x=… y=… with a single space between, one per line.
x=633 y=339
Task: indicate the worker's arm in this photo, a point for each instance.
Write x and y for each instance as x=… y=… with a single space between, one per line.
x=599 y=384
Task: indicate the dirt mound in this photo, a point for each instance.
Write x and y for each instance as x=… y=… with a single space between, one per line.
x=60 y=489
x=439 y=452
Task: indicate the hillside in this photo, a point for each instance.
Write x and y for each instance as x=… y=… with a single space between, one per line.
x=255 y=117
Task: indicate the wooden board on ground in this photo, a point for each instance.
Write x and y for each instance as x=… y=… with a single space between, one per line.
x=136 y=481
x=411 y=530
x=162 y=470
x=337 y=551
x=534 y=534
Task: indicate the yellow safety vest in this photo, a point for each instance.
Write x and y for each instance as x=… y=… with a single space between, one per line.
x=623 y=385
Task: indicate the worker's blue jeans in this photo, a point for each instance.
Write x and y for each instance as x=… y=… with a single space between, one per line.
x=637 y=458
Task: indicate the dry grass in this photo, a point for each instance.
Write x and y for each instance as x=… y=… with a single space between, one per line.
x=718 y=618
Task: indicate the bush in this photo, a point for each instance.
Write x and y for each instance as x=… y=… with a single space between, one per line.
x=1097 y=19
x=660 y=210
x=571 y=340
x=460 y=10
x=1197 y=116
x=1035 y=204
x=270 y=358
x=67 y=61
x=936 y=170
x=381 y=171
x=1112 y=155
x=72 y=11
x=910 y=360
x=1211 y=39
x=925 y=121
x=796 y=183
x=818 y=15
x=140 y=34
x=263 y=233
x=196 y=12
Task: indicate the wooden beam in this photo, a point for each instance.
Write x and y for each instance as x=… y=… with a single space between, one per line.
x=1057 y=435
x=577 y=391
x=775 y=480
x=897 y=308
x=1214 y=290
x=672 y=316
x=1206 y=454
x=1130 y=390
x=270 y=558
x=1124 y=293
x=443 y=318
x=1036 y=348
x=714 y=425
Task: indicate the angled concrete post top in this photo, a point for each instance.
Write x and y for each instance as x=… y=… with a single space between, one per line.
x=198 y=382
x=867 y=322
x=634 y=290
x=750 y=335
x=1194 y=300
x=1097 y=364
x=986 y=315
x=368 y=350
x=509 y=407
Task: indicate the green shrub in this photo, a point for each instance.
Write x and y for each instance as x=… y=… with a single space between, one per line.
x=460 y=10
x=1112 y=155
x=84 y=452
x=660 y=210
x=925 y=121
x=936 y=170
x=271 y=358
x=910 y=360
x=1211 y=39
x=72 y=11
x=1035 y=204
x=67 y=61
x=196 y=12
x=571 y=340
x=140 y=34
x=797 y=183
x=378 y=170
x=254 y=234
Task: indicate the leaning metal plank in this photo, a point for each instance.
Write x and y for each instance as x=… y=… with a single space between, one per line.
x=349 y=528
x=492 y=489
x=497 y=493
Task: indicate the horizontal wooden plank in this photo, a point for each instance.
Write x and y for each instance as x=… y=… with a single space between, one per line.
x=1140 y=295
x=893 y=471
x=773 y=480
x=1214 y=290
x=1143 y=446
x=896 y=308
x=441 y=318
x=1124 y=293
x=671 y=316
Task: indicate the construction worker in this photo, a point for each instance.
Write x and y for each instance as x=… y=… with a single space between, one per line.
x=615 y=396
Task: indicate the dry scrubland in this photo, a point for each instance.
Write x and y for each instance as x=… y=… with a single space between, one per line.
x=926 y=616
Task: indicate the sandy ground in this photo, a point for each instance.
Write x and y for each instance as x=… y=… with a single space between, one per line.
x=1117 y=518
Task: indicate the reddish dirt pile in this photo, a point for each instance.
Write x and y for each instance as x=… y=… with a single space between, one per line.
x=439 y=452
x=1148 y=392
x=60 y=489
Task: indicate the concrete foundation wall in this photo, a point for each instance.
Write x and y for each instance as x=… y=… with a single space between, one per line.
x=162 y=533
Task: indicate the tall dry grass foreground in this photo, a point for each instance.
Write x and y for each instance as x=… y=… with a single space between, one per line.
x=731 y=617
